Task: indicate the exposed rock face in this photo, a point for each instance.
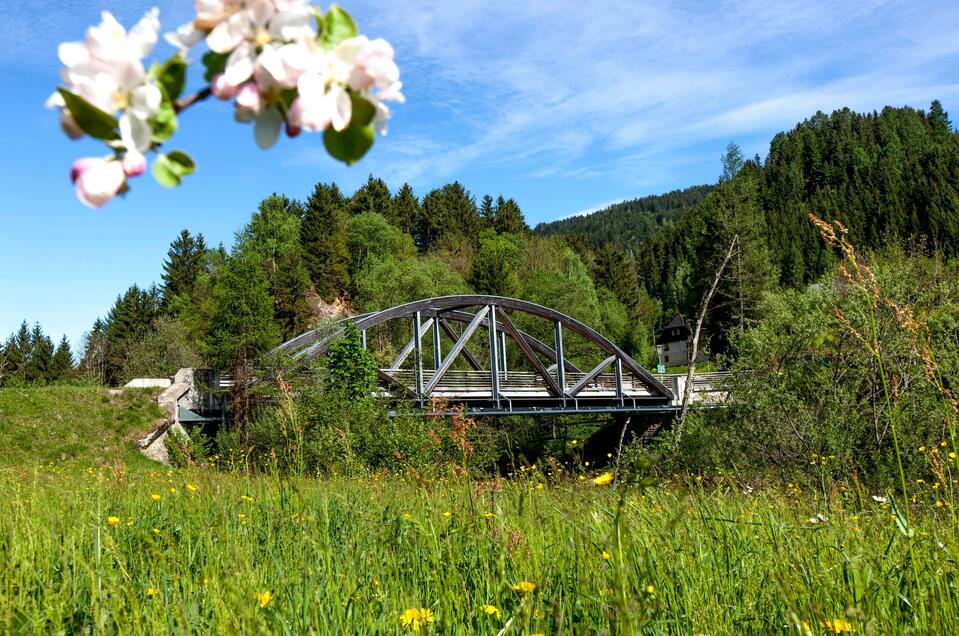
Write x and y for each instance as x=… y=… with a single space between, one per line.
x=153 y=443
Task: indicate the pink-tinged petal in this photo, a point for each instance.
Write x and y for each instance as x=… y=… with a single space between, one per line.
x=267 y=128
x=134 y=163
x=248 y=97
x=81 y=165
x=240 y=64
x=294 y=118
x=99 y=182
x=261 y=11
x=311 y=87
x=221 y=88
x=272 y=64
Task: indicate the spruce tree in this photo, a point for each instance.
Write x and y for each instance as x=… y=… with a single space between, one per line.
x=488 y=212
x=62 y=366
x=93 y=362
x=40 y=368
x=183 y=265
x=614 y=269
x=372 y=196
x=404 y=209
x=323 y=236
x=509 y=218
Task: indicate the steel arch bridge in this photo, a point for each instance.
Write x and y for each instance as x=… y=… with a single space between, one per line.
x=445 y=370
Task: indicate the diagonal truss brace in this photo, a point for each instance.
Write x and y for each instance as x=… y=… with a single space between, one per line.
x=448 y=330
x=410 y=346
x=457 y=347
x=589 y=377
x=527 y=351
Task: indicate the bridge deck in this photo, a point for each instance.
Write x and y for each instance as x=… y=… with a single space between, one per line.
x=521 y=391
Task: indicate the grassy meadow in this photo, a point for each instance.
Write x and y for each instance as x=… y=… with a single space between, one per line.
x=111 y=550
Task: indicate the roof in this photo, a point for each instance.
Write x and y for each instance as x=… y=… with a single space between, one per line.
x=679 y=322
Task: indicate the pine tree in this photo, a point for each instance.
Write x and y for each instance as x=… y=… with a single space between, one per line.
x=40 y=368
x=404 y=209
x=273 y=237
x=494 y=269
x=372 y=196
x=488 y=212
x=615 y=270
x=323 y=236
x=509 y=218
x=183 y=265
x=447 y=213
x=62 y=366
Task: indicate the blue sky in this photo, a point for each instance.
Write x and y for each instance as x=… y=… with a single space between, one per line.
x=564 y=106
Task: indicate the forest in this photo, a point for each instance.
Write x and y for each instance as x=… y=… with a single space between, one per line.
x=890 y=178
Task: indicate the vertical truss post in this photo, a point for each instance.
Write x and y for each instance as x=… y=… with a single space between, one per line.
x=493 y=356
x=437 y=347
x=418 y=356
x=619 y=380
x=363 y=338
x=560 y=361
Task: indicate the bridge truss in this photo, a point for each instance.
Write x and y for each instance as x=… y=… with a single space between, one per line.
x=457 y=354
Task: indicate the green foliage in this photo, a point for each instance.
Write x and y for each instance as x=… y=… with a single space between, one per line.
x=242 y=314
x=164 y=349
x=447 y=213
x=28 y=357
x=392 y=281
x=169 y=168
x=89 y=118
x=323 y=238
x=404 y=209
x=351 y=370
x=494 y=268
x=805 y=385
x=372 y=196
x=369 y=236
x=183 y=266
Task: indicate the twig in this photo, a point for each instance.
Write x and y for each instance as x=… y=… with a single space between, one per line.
x=185 y=102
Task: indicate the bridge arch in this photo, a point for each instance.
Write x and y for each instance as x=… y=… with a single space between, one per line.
x=616 y=384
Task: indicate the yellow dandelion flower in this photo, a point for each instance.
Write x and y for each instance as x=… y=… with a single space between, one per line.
x=113 y=520
x=539 y=486
x=943 y=443
x=838 y=626
x=922 y=449
x=190 y=488
x=488 y=515
x=492 y=610
x=952 y=455
x=264 y=598
x=606 y=555
x=407 y=516
x=172 y=491
x=940 y=504
x=414 y=618
x=573 y=443
x=603 y=480
x=524 y=587
x=156 y=531
x=582 y=477
x=152 y=591
x=246 y=498
x=155 y=496
x=650 y=589
x=447 y=514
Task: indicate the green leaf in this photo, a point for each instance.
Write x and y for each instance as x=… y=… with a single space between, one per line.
x=172 y=75
x=349 y=145
x=339 y=26
x=363 y=111
x=168 y=169
x=164 y=121
x=89 y=118
x=182 y=162
x=215 y=63
x=165 y=171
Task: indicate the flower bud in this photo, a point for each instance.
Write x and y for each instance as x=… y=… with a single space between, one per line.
x=134 y=163
x=294 y=118
x=97 y=180
x=248 y=98
x=221 y=88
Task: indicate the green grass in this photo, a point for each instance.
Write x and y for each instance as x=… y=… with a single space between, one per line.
x=86 y=424
x=349 y=556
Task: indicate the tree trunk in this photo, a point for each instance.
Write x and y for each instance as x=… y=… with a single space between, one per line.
x=694 y=350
